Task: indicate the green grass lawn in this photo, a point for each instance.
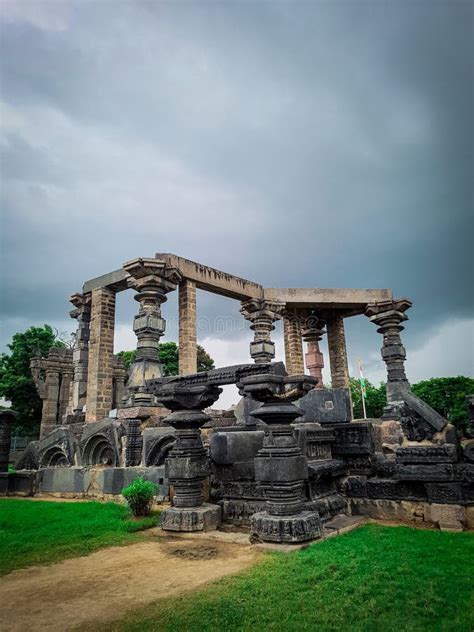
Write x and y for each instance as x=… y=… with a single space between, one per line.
x=372 y=579
x=39 y=532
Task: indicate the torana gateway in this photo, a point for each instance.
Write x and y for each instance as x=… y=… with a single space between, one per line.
x=286 y=460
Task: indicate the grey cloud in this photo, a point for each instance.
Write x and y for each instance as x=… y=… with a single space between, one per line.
x=309 y=144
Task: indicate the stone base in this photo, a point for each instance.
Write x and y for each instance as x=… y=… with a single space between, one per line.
x=207 y=517
x=297 y=528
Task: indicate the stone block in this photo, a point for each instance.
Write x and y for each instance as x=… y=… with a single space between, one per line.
x=353 y=439
x=447 y=453
x=74 y=480
x=431 y=473
x=4 y=483
x=239 y=512
x=395 y=490
x=325 y=405
x=229 y=447
x=112 y=480
x=244 y=470
x=449 y=493
x=448 y=517
x=187 y=468
x=243 y=409
x=281 y=469
x=22 y=483
x=355 y=487
x=204 y=518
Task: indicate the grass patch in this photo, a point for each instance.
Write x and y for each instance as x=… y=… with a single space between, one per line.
x=40 y=532
x=374 y=579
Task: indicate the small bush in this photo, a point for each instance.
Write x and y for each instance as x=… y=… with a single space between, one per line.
x=139 y=496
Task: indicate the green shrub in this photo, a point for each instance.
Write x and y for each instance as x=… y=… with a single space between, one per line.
x=139 y=496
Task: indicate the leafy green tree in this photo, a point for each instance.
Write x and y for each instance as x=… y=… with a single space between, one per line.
x=375 y=399
x=169 y=356
x=447 y=395
x=16 y=382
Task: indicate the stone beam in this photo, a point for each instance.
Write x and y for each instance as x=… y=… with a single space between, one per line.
x=116 y=281
x=213 y=280
x=351 y=301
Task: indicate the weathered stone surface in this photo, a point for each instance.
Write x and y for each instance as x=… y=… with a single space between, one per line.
x=301 y=527
x=448 y=517
x=64 y=479
x=337 y=352
x=447 y=453
x=439 y=472
x=395 y=490
x=22 y=483
x=203 y=518
x=352 y=439
x=229 y=447
x=387 y=435
x=449 y=493
x=326 y=406
x=187 y=328
x=7 y=418
x=113 y=480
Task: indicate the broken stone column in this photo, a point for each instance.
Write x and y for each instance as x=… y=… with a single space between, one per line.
x=280 y=466
x=152 y=280
x=293 y=343
x=52 y=377
x=187 y=465
x=80 y=356
x=187 y=328
x=101 y=354
x=312 y=331
x=388 y=317
x=262 y=314
x=337 y=352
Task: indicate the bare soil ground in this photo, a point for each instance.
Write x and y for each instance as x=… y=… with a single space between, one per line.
x=106 y=584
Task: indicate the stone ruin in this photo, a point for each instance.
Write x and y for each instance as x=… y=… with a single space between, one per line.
x=288 y=459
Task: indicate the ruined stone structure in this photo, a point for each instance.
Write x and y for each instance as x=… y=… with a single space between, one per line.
x=287 y=459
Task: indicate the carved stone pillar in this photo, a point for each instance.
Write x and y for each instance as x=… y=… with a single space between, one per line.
x=152 y=280
x=187 y=466
x=280 y=466
x=120 y=381
x=187 y=328
x=312 y=331
x=82 y=312
x=262 y=314
x=293 y=343
x=337 y=352
x=388 y=317
x=101 y=354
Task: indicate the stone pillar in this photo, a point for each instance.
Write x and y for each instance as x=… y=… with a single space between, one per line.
x=6 y=421
x=337 y=352
x=101 y=354
x=82 y=312
x=312 y=331
x=293 y=343
x=187 y=328
x=120 y=381
x=280 y=467
x=67 y=376
x=187 y=466
x=152 y=280
x=262 y=314
x=388 y=317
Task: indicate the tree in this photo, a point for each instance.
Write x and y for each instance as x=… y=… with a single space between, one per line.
x=448 y=396
x=16 y=382
x=169 y=356
x=375 y=399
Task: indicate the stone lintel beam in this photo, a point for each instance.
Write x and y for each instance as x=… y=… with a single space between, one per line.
x=116 y=281
x=213 y=280
x=352 y=301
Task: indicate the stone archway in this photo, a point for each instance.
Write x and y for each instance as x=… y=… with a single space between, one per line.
x=160 y=451
x=55 y=457
x=99 y=451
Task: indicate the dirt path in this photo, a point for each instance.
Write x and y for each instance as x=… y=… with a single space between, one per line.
x=106 y=584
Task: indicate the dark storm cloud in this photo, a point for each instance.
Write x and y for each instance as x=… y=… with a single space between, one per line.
x=305 y=144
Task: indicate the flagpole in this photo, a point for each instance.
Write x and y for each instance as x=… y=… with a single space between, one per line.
x=362 y=388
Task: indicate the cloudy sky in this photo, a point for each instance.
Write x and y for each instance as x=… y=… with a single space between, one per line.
x=320 y=143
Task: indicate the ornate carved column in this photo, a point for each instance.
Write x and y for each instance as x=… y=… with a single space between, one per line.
x=187 y=328
x=280 y=466
x=187 y=466
x=337 y=351
x=293 y=343
x=312 y=331
x=262 y=314
x=120 y=381
x=80 y=356
x=152 y=280
x=388 y=317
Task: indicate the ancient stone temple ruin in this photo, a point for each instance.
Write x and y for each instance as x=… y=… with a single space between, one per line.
x=286 y=460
